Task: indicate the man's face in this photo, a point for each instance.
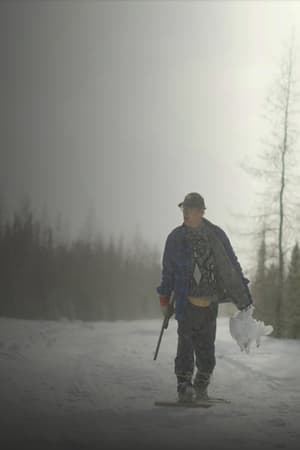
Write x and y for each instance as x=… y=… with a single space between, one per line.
x=192 y=216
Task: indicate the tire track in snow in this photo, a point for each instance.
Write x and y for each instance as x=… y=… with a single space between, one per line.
x=81 y=388
x=273 y=381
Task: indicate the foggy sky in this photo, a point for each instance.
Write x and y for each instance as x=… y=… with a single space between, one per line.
x=124 y=107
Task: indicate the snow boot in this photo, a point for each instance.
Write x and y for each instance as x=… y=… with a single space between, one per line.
x=185 y=392
x=201 y=394
x=201 y=383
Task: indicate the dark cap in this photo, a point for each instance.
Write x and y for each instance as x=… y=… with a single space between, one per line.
x=193 y=200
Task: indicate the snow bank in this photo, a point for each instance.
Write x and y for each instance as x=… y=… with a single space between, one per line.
x=92 y=385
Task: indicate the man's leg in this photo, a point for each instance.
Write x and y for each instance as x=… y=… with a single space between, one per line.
x=203 y=336
x=184 y=361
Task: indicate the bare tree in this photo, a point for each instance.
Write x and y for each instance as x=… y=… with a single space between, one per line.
x=278 y=201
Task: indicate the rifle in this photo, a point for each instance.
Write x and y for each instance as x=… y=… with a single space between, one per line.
x=168 y=315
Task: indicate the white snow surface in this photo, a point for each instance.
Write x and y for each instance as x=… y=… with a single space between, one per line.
x=85 y=385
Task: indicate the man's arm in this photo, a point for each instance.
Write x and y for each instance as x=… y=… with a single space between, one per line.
x=232 y=255
x=234 y=259
x=167 y=279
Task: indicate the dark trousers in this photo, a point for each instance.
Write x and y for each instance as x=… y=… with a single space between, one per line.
x=196 y=343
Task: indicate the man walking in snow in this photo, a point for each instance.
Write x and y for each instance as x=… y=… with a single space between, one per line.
x=201 y=269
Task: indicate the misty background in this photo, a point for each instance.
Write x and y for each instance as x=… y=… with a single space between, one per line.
x=111 y=113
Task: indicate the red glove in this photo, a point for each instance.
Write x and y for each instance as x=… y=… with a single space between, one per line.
x=164 y=304
x=164 y=300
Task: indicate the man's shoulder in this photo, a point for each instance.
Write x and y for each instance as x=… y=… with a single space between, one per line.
x=216 y=228
x=177 y=232
x=212 y=225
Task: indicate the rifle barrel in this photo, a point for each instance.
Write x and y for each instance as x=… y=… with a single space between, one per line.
x=159 y=340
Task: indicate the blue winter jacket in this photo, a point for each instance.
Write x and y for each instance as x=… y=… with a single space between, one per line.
x=177 y=268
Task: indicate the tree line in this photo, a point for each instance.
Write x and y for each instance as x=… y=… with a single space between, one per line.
x=266 y=289
x=43 y=277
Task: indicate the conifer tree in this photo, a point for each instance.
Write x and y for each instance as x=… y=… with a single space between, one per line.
x=292 y=296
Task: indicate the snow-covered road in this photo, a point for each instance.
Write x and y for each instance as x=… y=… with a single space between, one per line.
x=92 y=385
